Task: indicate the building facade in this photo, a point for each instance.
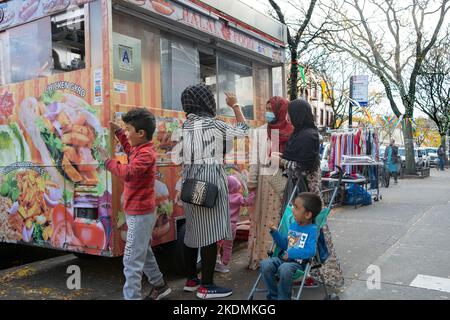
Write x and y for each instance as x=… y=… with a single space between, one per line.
x=312 y=88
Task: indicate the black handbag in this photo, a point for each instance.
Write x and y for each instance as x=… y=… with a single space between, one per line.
x=200 y=193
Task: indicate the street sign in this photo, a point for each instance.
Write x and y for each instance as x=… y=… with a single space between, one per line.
x=359 y=89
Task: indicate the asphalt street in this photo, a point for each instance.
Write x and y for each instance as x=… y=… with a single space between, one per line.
x=393 y=249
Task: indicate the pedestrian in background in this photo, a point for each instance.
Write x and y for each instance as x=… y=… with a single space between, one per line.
x=441 y=156
x=392 y=160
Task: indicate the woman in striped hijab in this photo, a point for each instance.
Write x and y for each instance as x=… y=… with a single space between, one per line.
x=202 y=154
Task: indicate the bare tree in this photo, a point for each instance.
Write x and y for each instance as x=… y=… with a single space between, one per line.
x=433 y=88
x=393 y=46
x=295 y=36
x=335 y=70
x=336 y=93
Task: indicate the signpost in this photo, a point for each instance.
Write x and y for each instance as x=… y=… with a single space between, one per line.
x=359 y=93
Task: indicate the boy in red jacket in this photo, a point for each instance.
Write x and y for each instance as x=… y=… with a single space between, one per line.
x=139 y=202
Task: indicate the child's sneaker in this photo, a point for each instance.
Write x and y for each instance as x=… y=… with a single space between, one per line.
x=191 y=285
x=212 y=291
x=220 y=267
x=160 y=292
x=310 y=282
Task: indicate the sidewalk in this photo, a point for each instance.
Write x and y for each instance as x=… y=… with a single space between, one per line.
x=405 y=235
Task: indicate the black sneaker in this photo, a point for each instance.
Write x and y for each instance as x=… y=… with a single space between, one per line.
x=212 y=291
x=158 y=293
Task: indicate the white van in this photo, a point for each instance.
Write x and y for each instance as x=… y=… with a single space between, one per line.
x=324 y=157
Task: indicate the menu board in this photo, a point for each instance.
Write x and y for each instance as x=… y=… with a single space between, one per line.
x=17 y=12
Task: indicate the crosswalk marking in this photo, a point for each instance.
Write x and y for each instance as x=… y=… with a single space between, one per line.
x=431 y=283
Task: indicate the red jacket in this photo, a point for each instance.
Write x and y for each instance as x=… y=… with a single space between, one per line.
x=138 y=175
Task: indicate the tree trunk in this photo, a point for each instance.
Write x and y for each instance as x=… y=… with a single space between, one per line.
x=410 y=165
x=293 y=94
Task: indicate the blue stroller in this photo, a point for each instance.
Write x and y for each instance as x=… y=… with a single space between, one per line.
x=321 y=253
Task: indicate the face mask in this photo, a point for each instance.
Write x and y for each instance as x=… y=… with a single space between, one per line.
x=270 y=117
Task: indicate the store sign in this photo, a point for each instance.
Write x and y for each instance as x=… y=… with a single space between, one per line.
x=17 y=12
x=216 y=28
x=126 y=58
x=359 y=89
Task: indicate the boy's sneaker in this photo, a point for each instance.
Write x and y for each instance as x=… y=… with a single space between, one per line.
x=310 y=282
x=212 y=291
x=192 y=285
x=160 y=292
x=220 y=267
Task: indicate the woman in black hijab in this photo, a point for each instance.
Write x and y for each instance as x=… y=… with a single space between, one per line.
x=303 y=145
x=301 y=160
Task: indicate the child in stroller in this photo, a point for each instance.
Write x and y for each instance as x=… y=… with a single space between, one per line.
x=298 y=246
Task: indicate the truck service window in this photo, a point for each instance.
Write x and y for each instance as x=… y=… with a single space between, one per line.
x=236 y=75
x=27 y=51
x=208 y=71
x=179 y=68
x=68 y=40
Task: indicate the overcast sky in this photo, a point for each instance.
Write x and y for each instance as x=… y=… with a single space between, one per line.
x=263 y=6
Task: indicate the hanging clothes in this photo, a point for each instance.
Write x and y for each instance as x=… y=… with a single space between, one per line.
x=356 y=143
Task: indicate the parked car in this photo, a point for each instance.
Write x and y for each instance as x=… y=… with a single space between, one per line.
x=422 y=153
x=382 y=151
x=324 y=157
x=432 y=155
x=420 y=157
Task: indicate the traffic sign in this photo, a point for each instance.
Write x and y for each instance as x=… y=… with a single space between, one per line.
x=359 y=89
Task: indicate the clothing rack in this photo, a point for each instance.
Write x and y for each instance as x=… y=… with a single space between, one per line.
x=353 y=142
x=352 y=130
x=356 y=142
x=347 y=130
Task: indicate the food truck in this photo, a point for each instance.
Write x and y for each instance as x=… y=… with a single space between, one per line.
x=68 y=67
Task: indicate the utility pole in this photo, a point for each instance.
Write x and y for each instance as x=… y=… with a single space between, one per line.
x=350 y=105
x=359 y=94
x=350 y=114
